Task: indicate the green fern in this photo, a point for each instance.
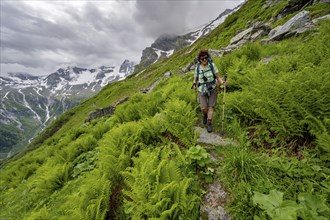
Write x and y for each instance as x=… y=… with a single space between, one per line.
x=157 y=188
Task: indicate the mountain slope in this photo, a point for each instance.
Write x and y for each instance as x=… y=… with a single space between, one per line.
x=142 y=162
x=29 y=103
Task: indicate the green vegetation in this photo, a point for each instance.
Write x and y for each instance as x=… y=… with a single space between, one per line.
x=9 y=136
x=143 y=162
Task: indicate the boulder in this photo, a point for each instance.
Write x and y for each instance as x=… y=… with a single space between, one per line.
x=189 y=67
x=251 y=34
x=297 y=22
x=167 y=75
x=241 y=35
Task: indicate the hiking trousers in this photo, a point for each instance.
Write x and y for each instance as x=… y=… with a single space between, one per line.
x=206 y=101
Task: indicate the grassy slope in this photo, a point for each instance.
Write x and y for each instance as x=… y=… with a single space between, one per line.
x=100 y=170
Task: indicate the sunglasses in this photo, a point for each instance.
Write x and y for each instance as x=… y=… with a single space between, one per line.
x=204 y=58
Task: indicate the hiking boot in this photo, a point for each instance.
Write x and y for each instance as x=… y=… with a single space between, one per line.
x=209 y=126
x=204 y=119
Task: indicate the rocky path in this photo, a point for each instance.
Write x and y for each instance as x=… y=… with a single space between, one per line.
x=214 y=200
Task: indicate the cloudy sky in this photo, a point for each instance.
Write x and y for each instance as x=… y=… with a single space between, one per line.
x=41 y=36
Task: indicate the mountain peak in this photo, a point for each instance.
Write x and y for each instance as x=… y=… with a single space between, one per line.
x=166 y=44
x=127 y=67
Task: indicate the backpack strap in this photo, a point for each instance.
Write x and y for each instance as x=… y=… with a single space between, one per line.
x=210 y=62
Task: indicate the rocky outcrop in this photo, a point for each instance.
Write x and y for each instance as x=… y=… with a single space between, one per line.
x=165 y=42
x=254 y=32
x=149 y=56
x=107 y=111
x=167 y=75
x=100 y=113
x=189 y=67
x=301 y=20
x=298 y=24
x=127 y=67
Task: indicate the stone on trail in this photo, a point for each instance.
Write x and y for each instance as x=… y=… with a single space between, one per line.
x=213 y=202
x=211 y=138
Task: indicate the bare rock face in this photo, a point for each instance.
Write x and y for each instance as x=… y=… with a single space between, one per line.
x=149 y=56
x=127 y=67
x=165 y=42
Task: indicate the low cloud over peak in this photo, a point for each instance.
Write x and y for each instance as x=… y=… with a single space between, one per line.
x=41 y=36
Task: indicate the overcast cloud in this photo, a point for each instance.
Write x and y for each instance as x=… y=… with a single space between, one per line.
x=41 y=36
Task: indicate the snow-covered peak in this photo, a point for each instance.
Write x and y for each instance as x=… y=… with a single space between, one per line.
x=69 y=76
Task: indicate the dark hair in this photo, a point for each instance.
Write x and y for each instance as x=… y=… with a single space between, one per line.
x=203 y=52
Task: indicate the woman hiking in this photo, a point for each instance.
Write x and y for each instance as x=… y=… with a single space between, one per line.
x=206 y=79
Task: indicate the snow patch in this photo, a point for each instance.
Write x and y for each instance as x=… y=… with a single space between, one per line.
x=26 y=104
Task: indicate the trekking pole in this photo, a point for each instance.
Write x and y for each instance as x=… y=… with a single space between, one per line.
x=223 y=102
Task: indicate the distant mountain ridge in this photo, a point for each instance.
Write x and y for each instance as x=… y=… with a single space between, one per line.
x=167 y=44
x=29 y=103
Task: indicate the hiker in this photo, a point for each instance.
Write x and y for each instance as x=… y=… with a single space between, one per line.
x=206 y=79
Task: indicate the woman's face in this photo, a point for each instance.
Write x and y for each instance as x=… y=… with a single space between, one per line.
x=204 y=59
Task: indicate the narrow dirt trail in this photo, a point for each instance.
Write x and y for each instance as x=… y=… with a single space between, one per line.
x=215 y=198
